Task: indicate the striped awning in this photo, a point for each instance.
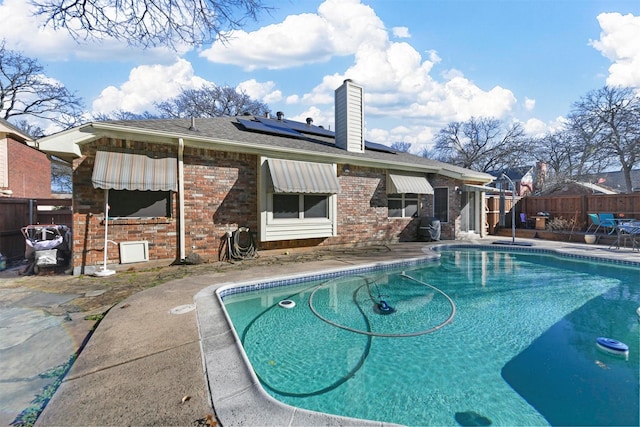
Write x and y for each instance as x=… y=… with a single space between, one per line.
x=397 y=184
x=116 y=170
x=289 y=176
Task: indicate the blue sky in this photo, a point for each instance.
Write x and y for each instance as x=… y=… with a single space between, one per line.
x=423 y=63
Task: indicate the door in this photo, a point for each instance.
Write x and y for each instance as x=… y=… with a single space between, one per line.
x=470 y=212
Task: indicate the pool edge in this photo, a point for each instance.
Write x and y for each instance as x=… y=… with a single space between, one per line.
x=242 y=401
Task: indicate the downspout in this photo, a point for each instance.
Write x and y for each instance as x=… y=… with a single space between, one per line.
x=181 y=231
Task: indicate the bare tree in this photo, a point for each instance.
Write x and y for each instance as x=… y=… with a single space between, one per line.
x=26 y=92
x=609 y=119
x=401 y=146
x=570 y=153
x=124 y=115
x=30 y=129
x=211 y=101
x=61 y=171
x=149 y=23
x=483 y=144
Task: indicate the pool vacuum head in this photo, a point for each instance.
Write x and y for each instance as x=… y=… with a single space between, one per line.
x=383 y=308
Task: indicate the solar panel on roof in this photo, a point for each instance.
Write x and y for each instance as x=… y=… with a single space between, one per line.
x=293 y=129
x=297 y=126
x=261 y=127
x=379 y=147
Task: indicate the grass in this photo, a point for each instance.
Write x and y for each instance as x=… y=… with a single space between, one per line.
x=29 y=415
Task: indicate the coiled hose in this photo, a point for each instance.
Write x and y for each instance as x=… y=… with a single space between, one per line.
x=243 y=245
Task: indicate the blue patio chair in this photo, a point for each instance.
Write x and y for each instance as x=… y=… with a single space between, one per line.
x=595 y=222
x=607 y=221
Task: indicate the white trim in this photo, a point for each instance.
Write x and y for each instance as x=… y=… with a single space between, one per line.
x=273 y=229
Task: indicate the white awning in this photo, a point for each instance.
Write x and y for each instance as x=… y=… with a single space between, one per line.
x=408 y=184
x=289 y=176
x=116 y=170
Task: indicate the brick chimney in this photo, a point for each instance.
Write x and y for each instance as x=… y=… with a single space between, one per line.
x=349 y=117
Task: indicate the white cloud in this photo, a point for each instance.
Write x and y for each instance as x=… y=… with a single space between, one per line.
x=28 y=35
x=433 y=56
x=529 y=104
x=148 y=84
x=420 y=137
x=619 y=42
x=292 y=99
x=401 y=32
x=537 y=128
x=261 y=91
x=320 y=117
x=397 y=79
x=339 y=27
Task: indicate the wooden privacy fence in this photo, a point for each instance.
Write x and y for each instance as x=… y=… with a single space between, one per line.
x=18 y=213
x=493 y=212
x=578 y=206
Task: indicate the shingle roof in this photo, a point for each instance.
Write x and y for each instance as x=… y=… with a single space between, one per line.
x=616 y=180
x=228 y=131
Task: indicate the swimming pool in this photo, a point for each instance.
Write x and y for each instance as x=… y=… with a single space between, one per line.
x=519 y=348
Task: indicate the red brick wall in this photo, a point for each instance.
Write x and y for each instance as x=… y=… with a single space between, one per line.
x=221 y=195
x=29 y=171
x=451 y=228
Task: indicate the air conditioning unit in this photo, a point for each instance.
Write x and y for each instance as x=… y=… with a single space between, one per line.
x=134 y=251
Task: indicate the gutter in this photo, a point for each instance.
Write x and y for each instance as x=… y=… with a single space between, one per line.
x=285 y=153
x=101 y=129
x=181 y=226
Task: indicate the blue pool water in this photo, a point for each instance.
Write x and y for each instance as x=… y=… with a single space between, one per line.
x=477 y=338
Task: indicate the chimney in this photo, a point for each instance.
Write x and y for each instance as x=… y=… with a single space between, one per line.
x=349 y=117
x=309 y=121
x=280 y=115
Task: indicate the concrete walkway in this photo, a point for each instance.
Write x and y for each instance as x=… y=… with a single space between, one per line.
x=144 y=365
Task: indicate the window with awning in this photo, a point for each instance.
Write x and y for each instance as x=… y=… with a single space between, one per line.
x=399 y=184
x=120 y=170
x=289 y=176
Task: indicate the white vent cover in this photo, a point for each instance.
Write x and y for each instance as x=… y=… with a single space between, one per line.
x=134 y=251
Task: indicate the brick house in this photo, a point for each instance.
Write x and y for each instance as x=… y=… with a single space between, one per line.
x=178 y=186
x=25 y=172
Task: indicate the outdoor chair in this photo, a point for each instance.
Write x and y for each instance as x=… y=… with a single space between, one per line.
x=526 y=222
x=629 y=231
x=608 y=222
x=595 y=223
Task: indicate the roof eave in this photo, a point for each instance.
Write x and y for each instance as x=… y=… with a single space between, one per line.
x=67 y=145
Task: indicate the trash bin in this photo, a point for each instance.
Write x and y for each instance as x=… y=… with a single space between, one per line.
x=429 y=229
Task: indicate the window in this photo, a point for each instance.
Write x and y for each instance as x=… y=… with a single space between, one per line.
x=441 y=204
x=300 y=206
x=137 y=204
x=403 y=205
x=298 y=200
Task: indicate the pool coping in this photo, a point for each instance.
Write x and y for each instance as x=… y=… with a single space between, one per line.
x=235 y=391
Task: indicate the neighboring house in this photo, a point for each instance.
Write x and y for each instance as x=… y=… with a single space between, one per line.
x=25 y=172
x=615 y=180
x=524 y=179
x=570 y=188
x=178 y=186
